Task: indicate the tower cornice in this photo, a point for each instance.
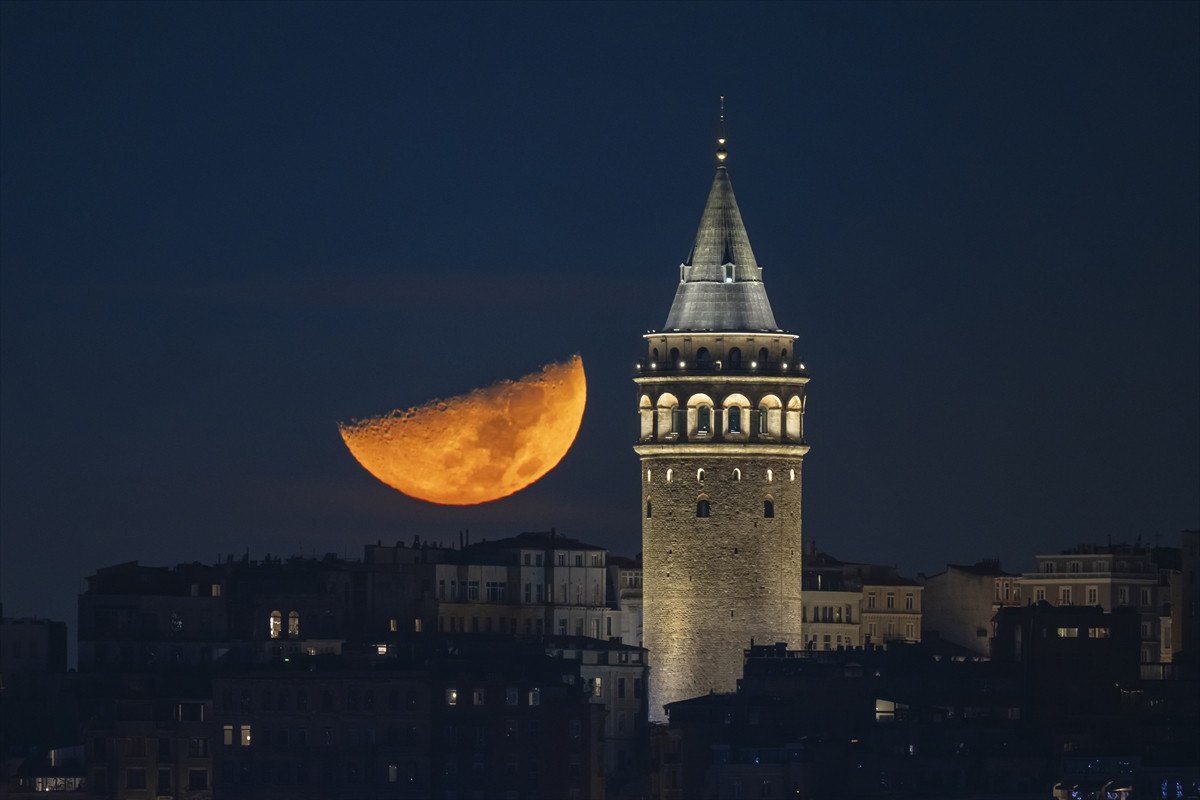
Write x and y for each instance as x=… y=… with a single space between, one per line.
x=718 y=377
x=722 y=450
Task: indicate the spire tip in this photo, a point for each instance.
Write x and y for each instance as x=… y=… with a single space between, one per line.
x=721 y=153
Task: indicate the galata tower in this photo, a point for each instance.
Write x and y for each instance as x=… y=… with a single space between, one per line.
x=721 y=396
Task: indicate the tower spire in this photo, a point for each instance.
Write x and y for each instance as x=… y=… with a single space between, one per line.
x=721 y=153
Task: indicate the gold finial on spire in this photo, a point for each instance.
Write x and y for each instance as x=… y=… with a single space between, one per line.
x=721 y=154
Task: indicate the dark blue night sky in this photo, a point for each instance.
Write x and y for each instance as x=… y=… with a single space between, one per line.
x=227 y=227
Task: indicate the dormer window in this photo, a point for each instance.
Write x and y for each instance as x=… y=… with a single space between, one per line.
x=729 y=273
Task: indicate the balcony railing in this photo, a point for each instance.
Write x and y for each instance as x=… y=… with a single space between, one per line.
x=771 y=367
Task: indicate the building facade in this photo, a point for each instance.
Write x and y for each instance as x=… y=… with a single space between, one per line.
x=1109 y=576
x=847 y=605
x=721 y=396
x=962 y=600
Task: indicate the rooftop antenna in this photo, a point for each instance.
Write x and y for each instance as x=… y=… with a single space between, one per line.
x=721 y=153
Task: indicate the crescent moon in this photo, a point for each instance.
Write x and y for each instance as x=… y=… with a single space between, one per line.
x=479 y=446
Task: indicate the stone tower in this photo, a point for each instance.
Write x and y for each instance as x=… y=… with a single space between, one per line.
x=721 y=398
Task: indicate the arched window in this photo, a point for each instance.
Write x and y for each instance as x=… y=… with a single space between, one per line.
x=762 y=356
x=674 y=356
x=667 y=415
x=783 y=355
x=792 y=419
x=735 y=358
x=703 y=359
x=669 y=471
x=792 y=474
x=647 y=476
x=699 y=415
x=646 y=417
x=654 y=356
x=770 y=476
x=700 y=475
x=768 y=508
x=737 y=474
x=736 y=407
x=648 y=510
x=702 y=508
x=294 y=623
x=770 y=417
x=276 y=624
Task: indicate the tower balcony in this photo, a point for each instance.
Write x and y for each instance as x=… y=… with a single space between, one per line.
x=769 y=367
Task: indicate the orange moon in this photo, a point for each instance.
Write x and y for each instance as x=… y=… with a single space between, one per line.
x=480 y=446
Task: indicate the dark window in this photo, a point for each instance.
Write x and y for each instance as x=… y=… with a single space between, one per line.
x=762 y=356
x=648 y=510
x=768 y=508
x=703 y=419
x=702 y=357
x=702 y=509
x=783 y=354
x=674 y=356
x=735 y=419
x=735 y=357
x=654 y=355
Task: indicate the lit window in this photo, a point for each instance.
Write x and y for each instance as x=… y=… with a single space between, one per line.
x=700 y=475
x=216 y=592
x=394 y=624
x=227 y=734
x=294 y=623
x=598 y=687
x=535 y=697
x=737 y=474
x=452 y=697
x=245 y=737
x=669 y=472
x=770 y=476
x=381 y=649
x=276 y=623
x=1068 y=633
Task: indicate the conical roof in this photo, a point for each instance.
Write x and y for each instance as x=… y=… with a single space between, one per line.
x=720 y=284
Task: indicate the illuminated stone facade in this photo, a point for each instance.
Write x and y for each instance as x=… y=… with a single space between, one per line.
x=721 y=399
